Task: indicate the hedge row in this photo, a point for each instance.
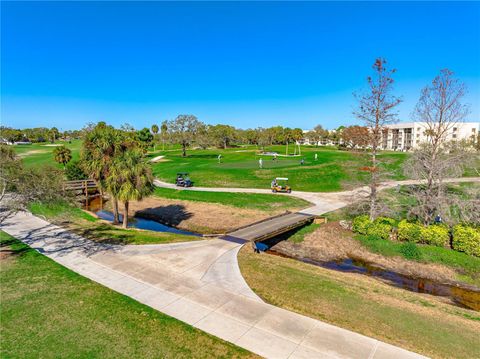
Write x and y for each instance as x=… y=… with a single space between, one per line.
x=464 y=238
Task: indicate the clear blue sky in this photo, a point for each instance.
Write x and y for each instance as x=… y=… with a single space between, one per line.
x=247 y=64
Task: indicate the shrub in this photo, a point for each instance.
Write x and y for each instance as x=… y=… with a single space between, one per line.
x=73 y=171
x=437 y=235
x=386 y=220
x=466 y=239
x=379 y=230
x=360 y=224
x=410 y=251
x=409 y=232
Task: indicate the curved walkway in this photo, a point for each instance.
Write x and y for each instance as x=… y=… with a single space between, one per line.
x=323 y=202
x=199 y=283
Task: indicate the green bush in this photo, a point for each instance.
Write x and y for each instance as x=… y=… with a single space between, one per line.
x=410 y=251
x=437 y=235
x=360 y=224
x=386 y=220
x=379 y=230
x=466 y=239
x=73 y=171
x=409 y=232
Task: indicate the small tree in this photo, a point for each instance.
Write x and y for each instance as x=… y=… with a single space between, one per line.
x=319 y=133
x=144 y=138
x=184 y=128
x=376 y=109
x=54 y=133
x=155 y=131
x=355 y=136
x=62 y=155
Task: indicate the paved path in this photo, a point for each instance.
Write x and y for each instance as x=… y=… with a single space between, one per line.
x=323 y=202
x=199 y=283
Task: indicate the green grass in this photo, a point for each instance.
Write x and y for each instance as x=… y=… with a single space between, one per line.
x=262 y=202
x=333 y=171
x=468 y=266
x=49 y=311
x=88 y=226
x=299 y=235
x=352 y=301
x=43 y=154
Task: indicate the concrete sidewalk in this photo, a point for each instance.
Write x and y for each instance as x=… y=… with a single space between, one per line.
x=199 y=283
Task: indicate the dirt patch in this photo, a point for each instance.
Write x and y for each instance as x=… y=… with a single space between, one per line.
x=196 y=216
x=332 y=242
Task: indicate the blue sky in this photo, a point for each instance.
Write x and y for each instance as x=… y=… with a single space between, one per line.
x=246 y=64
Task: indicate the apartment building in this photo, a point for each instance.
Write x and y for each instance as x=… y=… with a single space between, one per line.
x=408 y=135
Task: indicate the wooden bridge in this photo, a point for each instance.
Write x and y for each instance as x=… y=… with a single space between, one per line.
x=269 y=227
x=82 y=187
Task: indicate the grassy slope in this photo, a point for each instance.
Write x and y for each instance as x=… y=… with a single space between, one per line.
x=364 y=305
x=49 y=311
x=468 y=266
x=44 y=155
x=90 y=227
x=333 y=170
x=262 y=202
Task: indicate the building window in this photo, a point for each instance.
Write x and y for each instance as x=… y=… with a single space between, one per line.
x=418 y=135
x=454 y=129
x=474 y=130
x=454 y=135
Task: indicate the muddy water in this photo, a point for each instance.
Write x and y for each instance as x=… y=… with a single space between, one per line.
x=95 y=206
x=462 y=296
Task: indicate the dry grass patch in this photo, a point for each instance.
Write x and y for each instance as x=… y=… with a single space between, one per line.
x=197 y=216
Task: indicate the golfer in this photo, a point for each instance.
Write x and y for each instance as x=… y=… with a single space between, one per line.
x=219 y=158
x=260 y=163
x=316 y=157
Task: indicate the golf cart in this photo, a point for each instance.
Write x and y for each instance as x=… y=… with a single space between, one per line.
x=280 y=184
x=183 y=180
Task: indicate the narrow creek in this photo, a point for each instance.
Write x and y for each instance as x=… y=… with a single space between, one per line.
x=462 y=296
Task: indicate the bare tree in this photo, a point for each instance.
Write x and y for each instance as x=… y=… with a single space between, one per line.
x=376 y=110
x=440 y=109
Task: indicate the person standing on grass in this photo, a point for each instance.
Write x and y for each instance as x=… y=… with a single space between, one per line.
x=316 y=156
x=219 y=158
x=260 y=163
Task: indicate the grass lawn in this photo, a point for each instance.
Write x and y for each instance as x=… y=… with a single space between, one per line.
x=410 y=320
x=263 y=202
x=49 y=311
x=41 y=154
x=86 y=225
x=333 y=171
x=468 y=266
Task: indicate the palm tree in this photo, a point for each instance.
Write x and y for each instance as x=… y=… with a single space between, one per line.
x=62 y=155
x=164 y=130
x=100 y=147
x=155 y=131
x=132 y=177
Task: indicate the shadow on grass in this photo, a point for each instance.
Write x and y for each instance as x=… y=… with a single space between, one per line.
x=171 y=215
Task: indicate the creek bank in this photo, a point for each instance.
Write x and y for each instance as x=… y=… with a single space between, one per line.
x=334 y=247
